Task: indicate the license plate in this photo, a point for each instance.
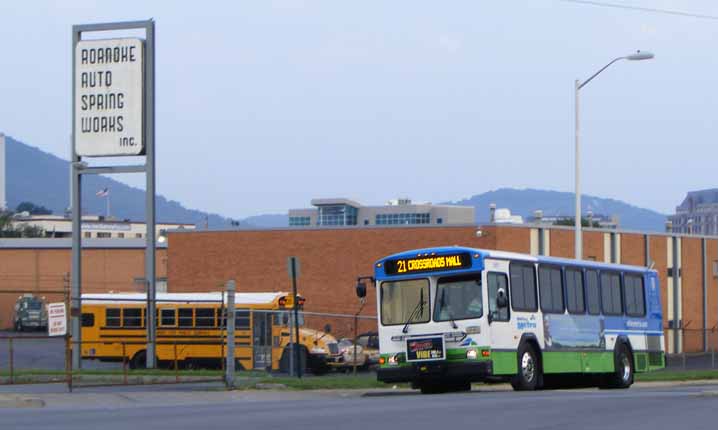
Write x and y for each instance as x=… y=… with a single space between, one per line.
x=425 y=348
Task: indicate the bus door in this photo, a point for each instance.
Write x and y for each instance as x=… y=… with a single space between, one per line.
x=501 y=332
x=262 y=339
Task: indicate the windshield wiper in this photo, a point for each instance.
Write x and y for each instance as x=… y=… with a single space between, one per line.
x=418 y=309
x=442 y=302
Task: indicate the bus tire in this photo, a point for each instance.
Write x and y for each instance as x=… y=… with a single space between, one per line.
x=285 y=360
x=528 y=371
x=139 y=361
x=622 y=375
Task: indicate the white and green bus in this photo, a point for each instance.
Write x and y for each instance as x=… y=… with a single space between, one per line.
x=450 y=316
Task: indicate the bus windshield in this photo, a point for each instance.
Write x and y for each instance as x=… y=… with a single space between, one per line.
x=400 y=298
x=458 y=298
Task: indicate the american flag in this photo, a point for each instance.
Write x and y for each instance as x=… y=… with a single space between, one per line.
x=103 y=192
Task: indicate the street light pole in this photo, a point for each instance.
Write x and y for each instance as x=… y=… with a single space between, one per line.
x=578 y=253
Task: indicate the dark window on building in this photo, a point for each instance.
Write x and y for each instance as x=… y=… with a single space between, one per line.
x=523 y=287
x=132 y=317
x=204 y=317
x=112 y=317
x=611 y=293
x=88 y=320
x=551 y=289
x=241 y=319
x=634 y=296
x=168 y=317
x=366 y=222
x=88 y=234
x=496 y=281
x=440 y=220
x=121 y=235
x=593 y=295
x=185 y=317
x=574 y=291
x=104 y=235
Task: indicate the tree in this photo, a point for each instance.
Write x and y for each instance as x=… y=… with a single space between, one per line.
x=33 y=209
x=9 y=229
x=570 y=221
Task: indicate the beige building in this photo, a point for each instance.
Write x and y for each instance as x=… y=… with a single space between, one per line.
x=345 y=212
x=95 y=227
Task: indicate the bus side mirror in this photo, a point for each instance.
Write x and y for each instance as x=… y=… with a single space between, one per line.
x=502 y=300
x=361 y=289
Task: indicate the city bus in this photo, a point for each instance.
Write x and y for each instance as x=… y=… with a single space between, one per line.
x=191 y=332
x=450 y=316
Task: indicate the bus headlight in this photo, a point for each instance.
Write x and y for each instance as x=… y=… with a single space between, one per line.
x=393 y=360
x=471 y=354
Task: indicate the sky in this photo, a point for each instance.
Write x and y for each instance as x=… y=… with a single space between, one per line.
x=263 y=105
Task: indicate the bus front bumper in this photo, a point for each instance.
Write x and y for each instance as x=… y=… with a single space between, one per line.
x=463 y=371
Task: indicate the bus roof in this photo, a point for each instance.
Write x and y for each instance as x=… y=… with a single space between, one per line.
x=516 y=256
x=217 y=296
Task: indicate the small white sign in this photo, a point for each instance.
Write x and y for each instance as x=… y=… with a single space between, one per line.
x=56 y=319
x=109 y=86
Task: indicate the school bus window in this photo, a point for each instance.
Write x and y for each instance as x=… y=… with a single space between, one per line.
x=112 y=317
x=204 y=317
x=185 y=317
x=241 y=320
x=169 y=317
x=88 y=320
x=132 y=317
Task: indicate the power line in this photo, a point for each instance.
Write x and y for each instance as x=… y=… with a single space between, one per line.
x=641 y=9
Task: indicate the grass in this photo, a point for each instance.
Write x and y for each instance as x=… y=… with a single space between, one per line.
x=676 y=375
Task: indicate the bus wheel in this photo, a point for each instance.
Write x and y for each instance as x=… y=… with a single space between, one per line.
x=622 y=376
x=529 y=370
x=139 y=361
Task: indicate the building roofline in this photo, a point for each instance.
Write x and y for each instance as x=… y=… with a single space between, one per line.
x=66 y=243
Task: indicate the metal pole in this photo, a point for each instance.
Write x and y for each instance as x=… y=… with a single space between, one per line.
x=676 y=298
x=705 y=294
x=577 y=233
x=290 y=318
x=231 y=313
x=150 y=265
x=356 y=320
x=76 y=276
x=297 y=360
x=11 y=361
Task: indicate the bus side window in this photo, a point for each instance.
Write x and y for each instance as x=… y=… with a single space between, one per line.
x=574 y=291
x=496 y=281
x=185 y=317
x=168 y=317
x=88 y=320
x=241 y=319
x=551 y=289
x=204 y=317
x=634 y=296
x=593 y=295
x=611 y=299
x=523 y=287
x=112 y=317
x=132 y=317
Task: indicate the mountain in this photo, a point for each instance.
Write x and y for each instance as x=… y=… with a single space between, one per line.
x=42 y=178
x=525 y=201
x=267 y=221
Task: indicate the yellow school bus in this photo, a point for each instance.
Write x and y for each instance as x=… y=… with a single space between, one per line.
x=191 y=331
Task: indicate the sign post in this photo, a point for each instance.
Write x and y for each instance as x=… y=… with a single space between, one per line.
x=293 y=268
x=113 y=114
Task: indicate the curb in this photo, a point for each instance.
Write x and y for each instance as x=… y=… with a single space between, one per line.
x=20 y=402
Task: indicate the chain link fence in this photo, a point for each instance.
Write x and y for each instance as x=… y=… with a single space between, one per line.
x=691 y=349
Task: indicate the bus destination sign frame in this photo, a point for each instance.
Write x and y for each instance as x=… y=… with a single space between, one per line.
x=428 y=263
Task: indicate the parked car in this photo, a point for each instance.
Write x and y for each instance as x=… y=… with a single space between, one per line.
x=30 y=313
x=369 y=341
x=346 y=360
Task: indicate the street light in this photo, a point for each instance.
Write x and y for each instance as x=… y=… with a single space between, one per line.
x=638 y=56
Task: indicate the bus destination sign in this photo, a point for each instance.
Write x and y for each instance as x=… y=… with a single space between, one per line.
x=433 y=263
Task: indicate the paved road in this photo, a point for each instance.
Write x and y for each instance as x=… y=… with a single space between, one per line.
x=638 y=408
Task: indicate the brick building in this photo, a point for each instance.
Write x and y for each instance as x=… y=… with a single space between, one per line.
x=40 y=265
x=331 y=259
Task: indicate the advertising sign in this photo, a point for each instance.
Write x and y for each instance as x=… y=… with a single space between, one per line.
x=109 y=85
